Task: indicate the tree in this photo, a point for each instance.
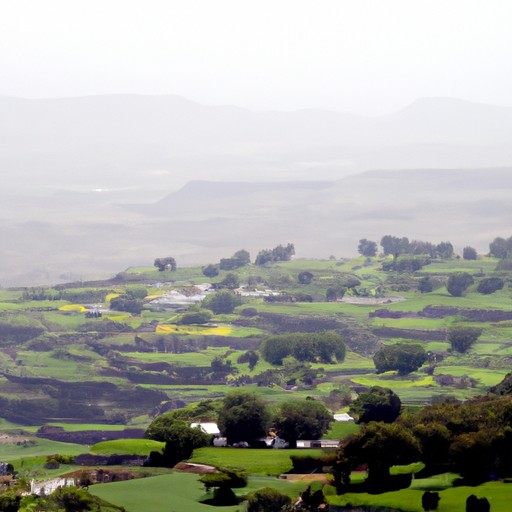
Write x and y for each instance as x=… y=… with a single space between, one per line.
x=267 y=499
x=430 y=500
x=402 y=357
x=250 y=357
x=367 y=248
x=335 y=292
x=469 y=253
x=279 y=253
x=381 y=446
x=196 y=316
x=499 y=247
x=211 y=270
x=168 y=263
x=425 y=285
x=377 y=404
x=223 y=482
x=444 y=250
x=302 y=419
x=474 y=504
x=223 y=301
x=435 y=439
x=305 y=277
x=461 y=338
x=458 y=283
x=230 y=281
x=243 y=417
x=394 y=246
x=127 y=303
x=180 y=439
x=243 y=257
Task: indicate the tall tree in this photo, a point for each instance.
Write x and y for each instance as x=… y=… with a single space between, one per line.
x=469 y=253
x=302 y=419
x=377 y=404
x=461 y=338
x=243 y=417
x=367 y=247
x=168 y=263
x=381 y=446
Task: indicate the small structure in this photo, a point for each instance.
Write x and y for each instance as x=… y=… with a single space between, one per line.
x=343 y=417
x=208 y=427
x=46 y=487
x=318 y=443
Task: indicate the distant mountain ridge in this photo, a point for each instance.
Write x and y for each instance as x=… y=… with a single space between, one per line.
x=98 y=140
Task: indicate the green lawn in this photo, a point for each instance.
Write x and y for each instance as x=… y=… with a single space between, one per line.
x=38 y=447
x=127 y=447
x=179 y=492
x=254 y=461
x=452 y=499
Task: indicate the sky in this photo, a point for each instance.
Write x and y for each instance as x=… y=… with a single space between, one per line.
x=363 y=56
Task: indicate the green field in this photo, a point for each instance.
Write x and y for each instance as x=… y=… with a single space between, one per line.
x=150 y=363
x=452 y=499
x=127 y=447
x=254 y=461
x=178 y=492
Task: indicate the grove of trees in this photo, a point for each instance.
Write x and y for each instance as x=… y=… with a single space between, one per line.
x=279 y=253
x=323 y=347
x=222 y=302
x=401 y=357
x=301 y=419
x=376 y=404
x=167 y=263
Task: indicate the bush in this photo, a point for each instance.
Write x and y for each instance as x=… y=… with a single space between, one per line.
x=469 y=253
x=223 y=301
x=490 y=285
x=210 y=270
x=458 y=283
x=425 y=285
x=267 y=500
x=461 y=338
x=201 y=316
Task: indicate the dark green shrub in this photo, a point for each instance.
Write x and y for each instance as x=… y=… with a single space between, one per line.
x=490 y=285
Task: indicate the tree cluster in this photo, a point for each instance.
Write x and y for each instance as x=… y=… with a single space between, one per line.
x=313 y=347
x=222 y=302
x=132 y=301
x=301 y=419
x=473 y=439
x=279 y=253
x=167 y=263
x=376 y=404
x=238 y=260
x=501 y=247
x=402 y=357
x=395 y=246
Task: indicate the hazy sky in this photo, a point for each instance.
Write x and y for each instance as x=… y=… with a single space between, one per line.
x=364 y=56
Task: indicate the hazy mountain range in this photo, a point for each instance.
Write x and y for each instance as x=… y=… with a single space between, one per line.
x=94 y=184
